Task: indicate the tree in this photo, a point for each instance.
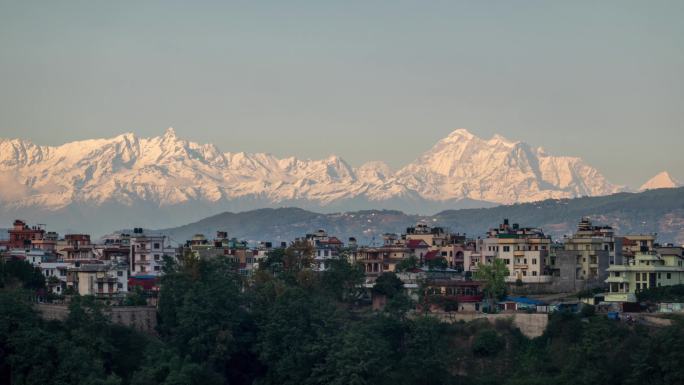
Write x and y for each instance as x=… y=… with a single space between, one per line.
x=439 y=263
x=407 y=264
x=342 y=279
x=487 y=343
x=388 y=284
x=201 y=313
x=21 y=272
x=494 y=277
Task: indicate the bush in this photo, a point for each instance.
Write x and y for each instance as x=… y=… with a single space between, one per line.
x=488 y=343
x=588 y=310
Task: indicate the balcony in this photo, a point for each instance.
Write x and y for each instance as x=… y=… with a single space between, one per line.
x=620 y=297
x=617 y=280
x=520 y=266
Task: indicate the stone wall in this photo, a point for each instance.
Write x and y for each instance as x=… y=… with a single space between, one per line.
x=140 y=318
x=530 y=324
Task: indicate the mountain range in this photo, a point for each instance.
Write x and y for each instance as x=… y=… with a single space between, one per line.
x=658 y=211
x=102 y=184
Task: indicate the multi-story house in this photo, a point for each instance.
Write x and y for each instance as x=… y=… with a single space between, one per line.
x=590 y=251
x=325 y=248
x=646 y=270
x=22 y=236
x=523 y=250
x=147 y=252
x=635 y=243
x=101 y=280
x=76 y=247
x=378 y=260
x=55 y=275
x=114 y=248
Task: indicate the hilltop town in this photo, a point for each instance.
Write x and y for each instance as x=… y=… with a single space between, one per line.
x=611 y=269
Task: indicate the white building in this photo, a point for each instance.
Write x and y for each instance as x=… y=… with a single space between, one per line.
x=147 y=252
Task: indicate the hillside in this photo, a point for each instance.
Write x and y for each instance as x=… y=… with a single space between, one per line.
x=660 y=211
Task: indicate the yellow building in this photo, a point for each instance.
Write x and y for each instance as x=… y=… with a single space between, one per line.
x=646 y=270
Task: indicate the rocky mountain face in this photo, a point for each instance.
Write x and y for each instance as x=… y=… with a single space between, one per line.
x=131 y=174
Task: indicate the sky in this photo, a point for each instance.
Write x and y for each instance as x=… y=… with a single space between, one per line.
x=366 y=80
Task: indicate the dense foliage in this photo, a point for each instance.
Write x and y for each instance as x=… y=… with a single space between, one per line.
x=301 y=327
x=673 y=293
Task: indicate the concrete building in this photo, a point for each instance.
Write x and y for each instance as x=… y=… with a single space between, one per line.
x=378 y=260
x=147 y=252
x=635 y=243
x=646 y=270
x=325 y=248
x=524 y=251
x=22 y=236
x=76 y=247
x=100 y=280
x=593 y=249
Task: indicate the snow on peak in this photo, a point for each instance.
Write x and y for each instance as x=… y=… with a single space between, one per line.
x=661 y=180
x=498 y=139
x=458 y=135
x=167 y=170
x=170 y=133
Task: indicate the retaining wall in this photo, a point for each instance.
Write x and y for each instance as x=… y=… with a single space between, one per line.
x=140 y=318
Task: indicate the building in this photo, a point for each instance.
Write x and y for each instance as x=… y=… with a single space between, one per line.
x=22 y=236
x=55 y=275
x=454 y=295
x=378 y=260
x=147 y=251
x=523 y=250
x=635 y=243
x=76 y=247
x=586 y=256
x=100 y=280
x=646 y=270
x=114 y=248
x=325 y=248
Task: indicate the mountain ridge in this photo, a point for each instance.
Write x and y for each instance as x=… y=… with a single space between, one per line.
x=655 y=211
x=171 y=173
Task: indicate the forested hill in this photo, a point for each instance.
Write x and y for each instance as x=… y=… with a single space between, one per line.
x=660 y=211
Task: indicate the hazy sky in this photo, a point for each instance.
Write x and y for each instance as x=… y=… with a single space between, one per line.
x=363 y=79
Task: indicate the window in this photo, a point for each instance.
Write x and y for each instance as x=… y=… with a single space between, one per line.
x=119 y=285
x=534 y=273
x=617 y=273
x=119 y=273
x=156 y=257
x=156 y=268
x=669 y=275
x=506 y=248
x=156 y=245
x=534 y=261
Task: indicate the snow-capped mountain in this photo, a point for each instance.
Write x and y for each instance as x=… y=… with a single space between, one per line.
x=167 y=171
x=661 y=180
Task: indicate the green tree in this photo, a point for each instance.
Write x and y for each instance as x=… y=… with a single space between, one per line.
x=494 y=277
x=407 y=264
